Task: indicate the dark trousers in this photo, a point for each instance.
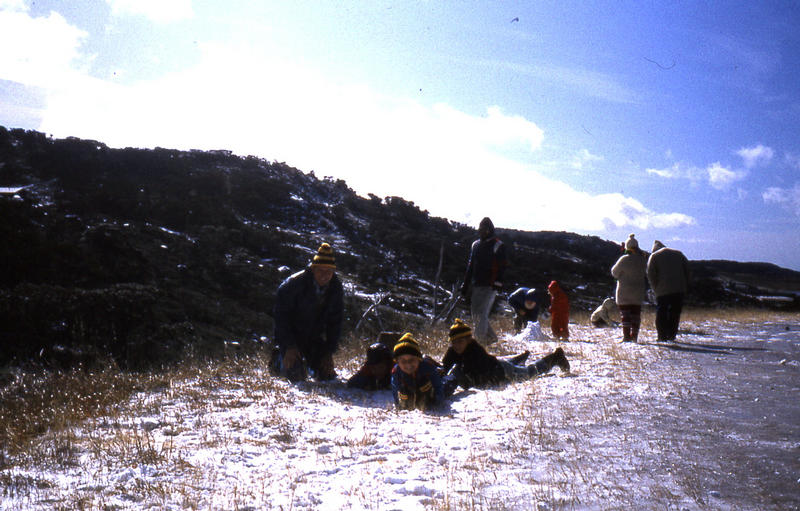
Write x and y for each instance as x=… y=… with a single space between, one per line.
x=668 y=315
x=631 y=316
x=311 y=358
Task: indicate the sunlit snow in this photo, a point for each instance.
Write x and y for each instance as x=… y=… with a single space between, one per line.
x=584 y=440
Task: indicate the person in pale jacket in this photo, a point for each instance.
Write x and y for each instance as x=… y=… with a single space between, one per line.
x=630 y=272
x=601 y=317
x=668 y=273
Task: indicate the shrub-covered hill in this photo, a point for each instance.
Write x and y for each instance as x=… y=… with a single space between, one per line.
x=140 y=254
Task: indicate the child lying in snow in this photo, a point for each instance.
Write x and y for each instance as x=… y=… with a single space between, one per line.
x=469 y=365
x=416 y=383
x=376 y=372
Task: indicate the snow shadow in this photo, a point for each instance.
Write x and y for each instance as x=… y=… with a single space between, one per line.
x=378 y=399
x=713 y=349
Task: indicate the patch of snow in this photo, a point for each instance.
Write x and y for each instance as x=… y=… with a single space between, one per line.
x=176 y=233
x=575 y=441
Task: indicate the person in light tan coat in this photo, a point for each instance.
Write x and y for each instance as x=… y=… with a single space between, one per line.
x=630 y=272
x=668 y=273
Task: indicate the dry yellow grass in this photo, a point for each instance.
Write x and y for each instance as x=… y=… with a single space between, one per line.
x=36 y=404
x=38 y=413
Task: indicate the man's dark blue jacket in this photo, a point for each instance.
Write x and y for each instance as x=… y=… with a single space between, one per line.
x=308 y=320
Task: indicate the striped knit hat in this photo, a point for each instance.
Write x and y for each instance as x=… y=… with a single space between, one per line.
x=324 y=257
x=407 y=345
x=459 y=330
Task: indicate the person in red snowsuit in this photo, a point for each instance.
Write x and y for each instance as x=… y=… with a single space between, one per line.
x=559 y=311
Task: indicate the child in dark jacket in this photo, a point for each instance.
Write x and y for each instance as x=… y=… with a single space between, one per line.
x=526 y=304
x=559 y=311
x=376 y=372
x=416 y=383
x=472 y=366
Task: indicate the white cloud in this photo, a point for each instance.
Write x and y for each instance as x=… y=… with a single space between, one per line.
x=722 y=177
x=718 y=176
x=669 y=173
x=615 y=211
x=160 y=11
x=584 y=158
x=13 y=5
x=447 y=161
x=757 y=155
x=678 y=170
x=45 y=49
x=786 y=197
x=581 y=81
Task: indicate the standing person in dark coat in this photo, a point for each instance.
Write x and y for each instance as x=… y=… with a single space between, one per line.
x=472 y=366
x=525 y=302
x=668 y=273
x=484 y=278
x=308 y=319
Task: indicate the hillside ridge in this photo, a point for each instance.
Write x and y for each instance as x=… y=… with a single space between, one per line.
x=130 y=252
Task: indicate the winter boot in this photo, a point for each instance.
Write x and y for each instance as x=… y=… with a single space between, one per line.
x=541 y=366
x=561 y=360
x=545 y=364
x=520 y=359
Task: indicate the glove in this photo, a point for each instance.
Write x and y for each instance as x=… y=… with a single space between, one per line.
x=406 y=401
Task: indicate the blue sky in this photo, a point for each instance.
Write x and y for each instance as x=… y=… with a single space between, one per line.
x=677 y=121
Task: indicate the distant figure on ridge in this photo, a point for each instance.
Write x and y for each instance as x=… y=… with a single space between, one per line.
x=308 y=320
x=559 y=311
x=668 y=273
x=630 y=272
x=484 y=278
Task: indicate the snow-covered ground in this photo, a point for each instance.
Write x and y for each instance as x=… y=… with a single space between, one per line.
x=633 y=426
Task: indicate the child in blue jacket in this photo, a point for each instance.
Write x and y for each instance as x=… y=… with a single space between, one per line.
x=416 y=383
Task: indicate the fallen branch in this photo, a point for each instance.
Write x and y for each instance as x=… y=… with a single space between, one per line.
x=370 y=309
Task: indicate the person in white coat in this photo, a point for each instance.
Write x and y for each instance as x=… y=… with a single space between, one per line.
x=601 y=316
x=630 y=270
